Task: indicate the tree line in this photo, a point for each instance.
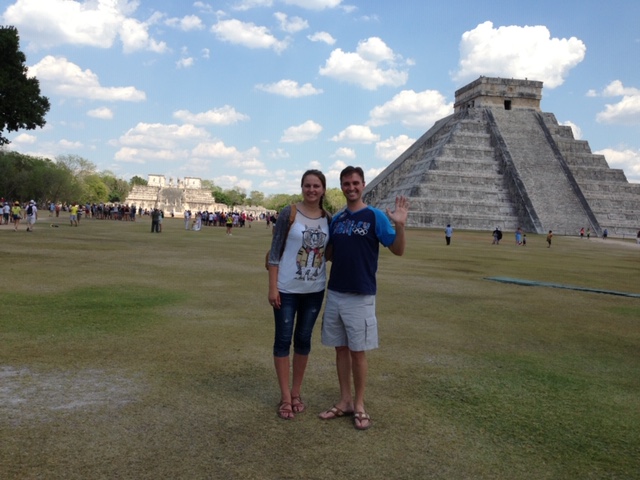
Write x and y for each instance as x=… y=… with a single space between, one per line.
x=71 y=178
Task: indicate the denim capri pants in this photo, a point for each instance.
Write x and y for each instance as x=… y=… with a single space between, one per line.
x=295 y=320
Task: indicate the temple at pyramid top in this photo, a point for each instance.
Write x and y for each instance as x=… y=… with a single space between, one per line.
x=499 y=93
x=499 y=161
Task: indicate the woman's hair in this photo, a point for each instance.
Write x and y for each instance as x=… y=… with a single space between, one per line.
x=323 y=180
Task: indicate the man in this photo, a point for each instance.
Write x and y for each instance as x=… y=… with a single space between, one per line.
x=349 y=323
x=448 y=233
x=155 y=221
x=32 y=215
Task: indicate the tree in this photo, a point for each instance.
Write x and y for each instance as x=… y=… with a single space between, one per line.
x=255 y=198
x=78 y=166
x=236 y=196
x=21 y=105
x=334 y=199
x=118 y=188
x=136 y=180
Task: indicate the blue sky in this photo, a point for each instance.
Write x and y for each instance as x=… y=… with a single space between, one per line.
x=250 y=93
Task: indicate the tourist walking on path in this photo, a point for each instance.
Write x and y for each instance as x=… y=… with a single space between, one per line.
x=349 y=323
x=638 y=238
x=549 y=237
x=297 y=278
x=582 y=233
x=16 y=215
x=448 y=233
x=497 y=236
x=229 y=223
x=6 y=213
x=32 y=215
x=605 y=234
x=187 y=218
x=519 y=236
x=155 y=221
x=73 y=214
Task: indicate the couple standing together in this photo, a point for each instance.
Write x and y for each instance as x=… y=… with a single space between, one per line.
x=297 y=259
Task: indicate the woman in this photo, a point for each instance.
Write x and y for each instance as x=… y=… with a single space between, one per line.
x=16 y=215
x=297 y=278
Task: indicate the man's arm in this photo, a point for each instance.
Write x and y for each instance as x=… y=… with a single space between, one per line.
x=399 y=218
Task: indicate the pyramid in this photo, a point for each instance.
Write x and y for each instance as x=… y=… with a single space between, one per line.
x=499 y=161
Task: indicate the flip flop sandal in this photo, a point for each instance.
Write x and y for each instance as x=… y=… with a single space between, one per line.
x=335 y=412
x=359 y=418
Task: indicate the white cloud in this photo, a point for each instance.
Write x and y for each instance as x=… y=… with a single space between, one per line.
x=617 y=89
x=309 y=130
x=322 y=37
x=225 y=115
x=216 y=149
x=162 y=136
x=206 y=53
x=279 y=153
x=25 y=139
x=204 y=7
x=626 y=111
x=102 y=113
x=626 y=159
x=291 y=25
x=248 y=35
x=92 y=23
x=249 y=4
x=185 y=62
x=68 y=79
x=412 y=109
x=344 y=152
x=135 y=36
x=393 y=147
x=186 y=23
x=314 y=4
x=372 y=65
x=356 y=134
x=141 y=155
x=289 y=88
x=518 y=52
x=69 y=145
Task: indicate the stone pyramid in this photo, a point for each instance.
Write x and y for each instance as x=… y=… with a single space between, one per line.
x=498 y=161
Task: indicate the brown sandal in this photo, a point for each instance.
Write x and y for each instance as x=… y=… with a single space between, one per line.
x=297 y=405
x=362 y=421
x=285 y=411
x=334 y=412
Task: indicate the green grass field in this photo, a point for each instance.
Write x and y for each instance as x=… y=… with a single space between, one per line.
x=126 y=354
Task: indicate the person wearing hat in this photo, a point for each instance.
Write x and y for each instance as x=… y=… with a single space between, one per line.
x=32 y=215
x=16 y=215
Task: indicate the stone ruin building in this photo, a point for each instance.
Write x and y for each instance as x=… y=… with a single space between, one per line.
x=179 y=196
x=499 y=161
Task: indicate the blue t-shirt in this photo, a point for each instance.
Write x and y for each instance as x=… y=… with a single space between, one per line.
x=356 y=239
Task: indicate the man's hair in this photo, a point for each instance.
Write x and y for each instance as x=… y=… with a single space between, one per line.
x=350 y=170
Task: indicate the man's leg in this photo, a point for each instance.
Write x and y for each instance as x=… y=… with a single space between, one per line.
x=343 y=368
x=360 y=367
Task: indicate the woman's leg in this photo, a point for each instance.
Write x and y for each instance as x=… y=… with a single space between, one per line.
x=307 y=313
x=284 y=319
